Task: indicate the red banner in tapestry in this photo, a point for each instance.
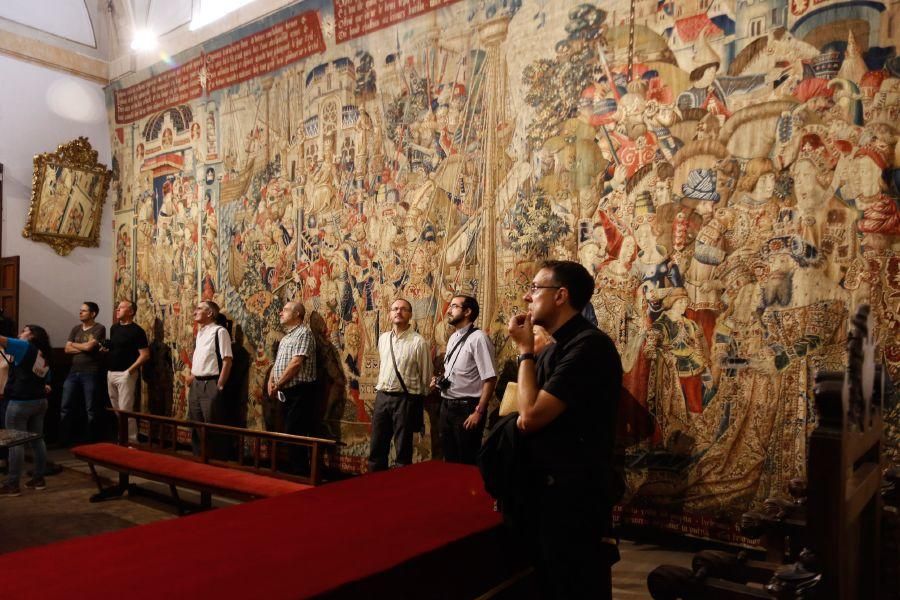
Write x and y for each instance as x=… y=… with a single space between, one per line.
x=254 y=55
x=355 y=18
x=152 y=95
x=265 y=51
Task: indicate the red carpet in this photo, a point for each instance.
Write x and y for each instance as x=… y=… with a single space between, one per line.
x=424 y=527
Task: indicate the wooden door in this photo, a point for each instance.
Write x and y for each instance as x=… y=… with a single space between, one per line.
x=9 y=288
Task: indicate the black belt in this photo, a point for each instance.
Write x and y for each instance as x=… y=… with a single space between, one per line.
x=205 y=377
x=297 y=386
x=461 y=400
x=392 y=393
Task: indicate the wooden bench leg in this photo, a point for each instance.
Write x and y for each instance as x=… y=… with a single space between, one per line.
x=185 y=508
x=96 y=477
x=110 y=492
x=177 y=498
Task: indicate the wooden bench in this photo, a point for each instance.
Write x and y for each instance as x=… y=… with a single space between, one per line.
x=839 y=524
x=178 y=472
x=258 y=450
x=160 y=457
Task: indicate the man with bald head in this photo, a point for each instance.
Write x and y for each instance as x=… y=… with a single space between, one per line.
x=210 y=368
x=403 y=377
x=128 y=350
x=293 y=377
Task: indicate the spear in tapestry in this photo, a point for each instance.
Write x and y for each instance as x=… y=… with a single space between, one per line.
x=399 y=66
x=615 y=91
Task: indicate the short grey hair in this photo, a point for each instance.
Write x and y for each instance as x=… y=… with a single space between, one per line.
x=212 y=307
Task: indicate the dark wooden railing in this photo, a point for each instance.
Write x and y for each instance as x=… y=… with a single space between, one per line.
x=256 y=451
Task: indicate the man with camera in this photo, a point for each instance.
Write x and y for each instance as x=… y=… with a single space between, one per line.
x=467 y=384
x=403 y=378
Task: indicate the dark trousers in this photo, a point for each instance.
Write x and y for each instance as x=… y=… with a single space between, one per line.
x=4 y=452
x=394 y=417
x=70 y=407
x=298 y=413
x=460 y=445
x=565 y=525
x=203 y=405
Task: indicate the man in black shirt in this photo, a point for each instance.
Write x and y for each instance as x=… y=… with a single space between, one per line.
x=567 y=399
x=128 y=350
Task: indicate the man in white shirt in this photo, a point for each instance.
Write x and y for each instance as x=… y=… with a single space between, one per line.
x=210 y=367
x=403 y=379
x=468 y=383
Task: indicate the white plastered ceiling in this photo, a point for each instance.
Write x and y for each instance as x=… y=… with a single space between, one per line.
x=92 y=38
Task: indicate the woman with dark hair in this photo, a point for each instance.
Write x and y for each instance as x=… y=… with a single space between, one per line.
x=26 y=394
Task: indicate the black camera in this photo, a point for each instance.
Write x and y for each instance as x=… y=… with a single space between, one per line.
x=443 y=384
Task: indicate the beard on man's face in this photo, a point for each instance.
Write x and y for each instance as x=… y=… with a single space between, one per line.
x=455 y=320
x=777 y=289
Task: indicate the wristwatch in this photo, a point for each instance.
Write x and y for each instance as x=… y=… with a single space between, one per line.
x=523 y=357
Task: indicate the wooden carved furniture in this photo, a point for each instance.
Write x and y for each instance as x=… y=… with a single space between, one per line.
x=839 y=524
x=780 y=525
x=844 y=472
x=890 y=535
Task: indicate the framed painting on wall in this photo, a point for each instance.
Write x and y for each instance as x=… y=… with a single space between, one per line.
x=69 y=188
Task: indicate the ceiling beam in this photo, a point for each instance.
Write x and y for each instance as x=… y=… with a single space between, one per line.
x=53 y=57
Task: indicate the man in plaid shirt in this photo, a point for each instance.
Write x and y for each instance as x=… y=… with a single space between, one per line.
x=293 y=377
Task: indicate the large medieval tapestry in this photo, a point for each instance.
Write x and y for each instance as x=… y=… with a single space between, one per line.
x=725 y=169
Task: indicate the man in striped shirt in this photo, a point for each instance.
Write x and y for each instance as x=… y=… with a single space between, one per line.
x=403 y=378
x=293 y=378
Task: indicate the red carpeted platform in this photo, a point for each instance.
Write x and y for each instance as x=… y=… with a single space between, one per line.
x=424 y=531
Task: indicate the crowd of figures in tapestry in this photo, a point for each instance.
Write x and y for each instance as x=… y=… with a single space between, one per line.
x=725 y=169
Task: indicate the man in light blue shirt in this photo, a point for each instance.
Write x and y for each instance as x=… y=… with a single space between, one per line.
x=468 y=383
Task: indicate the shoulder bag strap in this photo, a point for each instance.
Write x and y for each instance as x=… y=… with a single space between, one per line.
x=396 y=370
x=457 y=347
x=218 y=352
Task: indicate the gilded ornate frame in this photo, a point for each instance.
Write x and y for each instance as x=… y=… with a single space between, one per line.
x=69 y=188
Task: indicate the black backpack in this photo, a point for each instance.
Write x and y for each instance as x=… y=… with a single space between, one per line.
x=499 y=460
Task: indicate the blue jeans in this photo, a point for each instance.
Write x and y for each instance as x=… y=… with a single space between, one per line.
x=70 y=409
x=26 y=415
